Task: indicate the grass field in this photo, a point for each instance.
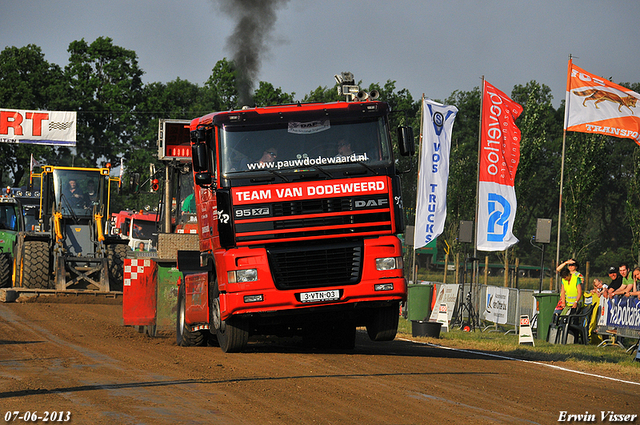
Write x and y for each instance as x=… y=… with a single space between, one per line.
x=585 y=357
x=591 y=358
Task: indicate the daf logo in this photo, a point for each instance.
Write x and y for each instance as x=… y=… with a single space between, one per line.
x=369 y=203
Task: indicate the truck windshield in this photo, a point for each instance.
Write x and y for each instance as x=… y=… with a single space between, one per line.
x=143 y=229
x=76 y=191
x=302 y=145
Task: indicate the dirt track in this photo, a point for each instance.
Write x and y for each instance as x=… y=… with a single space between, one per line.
x=79 y=358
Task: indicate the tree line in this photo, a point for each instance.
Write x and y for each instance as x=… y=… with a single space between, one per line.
x=118 y=117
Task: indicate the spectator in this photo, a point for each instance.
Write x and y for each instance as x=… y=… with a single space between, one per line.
x=627 y=280
x=141 y=246
x=635 y=291
x=599 y=288
x=616 y=282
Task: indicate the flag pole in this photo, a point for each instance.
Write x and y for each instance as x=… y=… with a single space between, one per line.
x=413 y=266
x=475 y=226
x=564 y=139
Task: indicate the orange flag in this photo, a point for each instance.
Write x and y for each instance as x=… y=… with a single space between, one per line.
x=596 y=105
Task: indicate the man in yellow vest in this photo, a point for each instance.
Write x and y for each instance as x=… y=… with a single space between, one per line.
x=573 y=267
x=571 y=291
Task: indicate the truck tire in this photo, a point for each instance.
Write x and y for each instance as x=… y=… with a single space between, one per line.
x=116 y=253
x=6 y=270
x=233 y=335
x=383 y=323
x=35 y=265
x=185 y=337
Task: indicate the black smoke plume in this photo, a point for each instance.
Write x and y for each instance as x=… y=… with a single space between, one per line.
x=255 y=20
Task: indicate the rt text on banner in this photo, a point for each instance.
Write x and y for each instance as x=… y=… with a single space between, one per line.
x=57 y=128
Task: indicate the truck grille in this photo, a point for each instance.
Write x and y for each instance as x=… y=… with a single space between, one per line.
x=316 y=219
x=316 y=266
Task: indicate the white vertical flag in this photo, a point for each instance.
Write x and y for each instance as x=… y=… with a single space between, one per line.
x=431 y=206
x=121 y=171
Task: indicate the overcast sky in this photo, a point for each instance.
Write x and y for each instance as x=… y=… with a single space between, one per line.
x=430 y=47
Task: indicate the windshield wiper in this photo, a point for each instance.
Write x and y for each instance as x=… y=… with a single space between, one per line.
x=278 y=174
x=323 y=171
x=346 y=173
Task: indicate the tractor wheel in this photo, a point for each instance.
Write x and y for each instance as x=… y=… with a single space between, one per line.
x=383 y=323
x=35 y=265
x=185 y=337
x=116 y=254
x=6 y=270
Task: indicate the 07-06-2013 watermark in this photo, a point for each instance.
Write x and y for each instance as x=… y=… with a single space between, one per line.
x=35 y=416
x=604 y=416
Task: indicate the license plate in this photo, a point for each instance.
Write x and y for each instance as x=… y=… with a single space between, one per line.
x=318 y=296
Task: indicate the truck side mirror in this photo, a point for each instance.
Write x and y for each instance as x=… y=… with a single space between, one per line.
x=405 y=141
x=199 y=157
x=203 y=179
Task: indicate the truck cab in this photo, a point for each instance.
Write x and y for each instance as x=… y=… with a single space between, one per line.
x=299 y=207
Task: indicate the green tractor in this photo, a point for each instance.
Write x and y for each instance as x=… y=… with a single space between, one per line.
x=11 y=223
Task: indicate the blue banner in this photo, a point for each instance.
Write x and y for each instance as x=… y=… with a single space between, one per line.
x=624 y=312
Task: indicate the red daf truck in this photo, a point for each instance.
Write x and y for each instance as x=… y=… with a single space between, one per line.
x=298 y=210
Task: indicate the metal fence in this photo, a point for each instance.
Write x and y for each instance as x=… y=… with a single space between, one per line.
x=520 y=302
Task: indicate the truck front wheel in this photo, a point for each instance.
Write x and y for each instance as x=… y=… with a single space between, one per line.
x=233 y=335
x=185 y=337
x=383 y=323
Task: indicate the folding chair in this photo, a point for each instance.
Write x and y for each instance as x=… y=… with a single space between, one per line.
x=577 y=325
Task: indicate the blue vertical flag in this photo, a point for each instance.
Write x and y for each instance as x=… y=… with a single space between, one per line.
x=431 y=206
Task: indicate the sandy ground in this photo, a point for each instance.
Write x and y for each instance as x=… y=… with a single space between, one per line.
x=78 y=359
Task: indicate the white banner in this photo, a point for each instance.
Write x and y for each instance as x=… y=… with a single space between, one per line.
x=447 y=294
x=497 y=304
x=56 y=128
x=495 y=216
x=431 y=206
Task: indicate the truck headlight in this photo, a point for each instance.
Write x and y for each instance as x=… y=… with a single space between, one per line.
x=388 y=263
x=239 y=276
